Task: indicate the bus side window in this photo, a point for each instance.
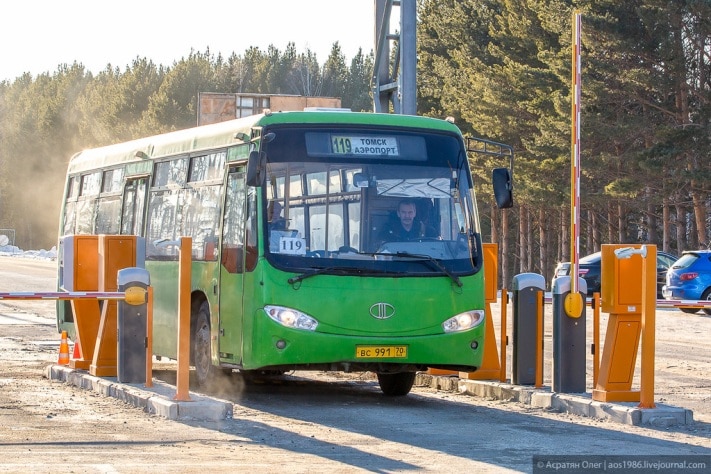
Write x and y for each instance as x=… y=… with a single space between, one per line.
x=232 y=259
x=251 y=250
x=233 y=225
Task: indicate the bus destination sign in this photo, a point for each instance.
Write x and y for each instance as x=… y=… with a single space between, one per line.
x=364 y=145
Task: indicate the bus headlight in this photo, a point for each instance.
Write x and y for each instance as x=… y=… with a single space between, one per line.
x=463 y=321
x=291 y=318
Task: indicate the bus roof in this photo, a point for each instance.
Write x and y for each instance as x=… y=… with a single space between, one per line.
x=226 y=134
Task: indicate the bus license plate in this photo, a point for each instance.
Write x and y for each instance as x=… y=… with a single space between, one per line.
x=381 y=352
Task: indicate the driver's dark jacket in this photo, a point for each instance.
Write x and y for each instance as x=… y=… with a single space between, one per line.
x=395 y=232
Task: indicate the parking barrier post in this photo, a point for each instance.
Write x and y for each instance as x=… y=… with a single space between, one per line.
x=569 y=333
x=631 y=307
x=115 y=252
x=79 y=271
x=131 y=325
x=527 y=347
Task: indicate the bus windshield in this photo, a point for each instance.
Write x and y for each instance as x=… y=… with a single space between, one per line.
x=369 y=201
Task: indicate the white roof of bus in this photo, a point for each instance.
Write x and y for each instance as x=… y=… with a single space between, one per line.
x=180 y=141
x=223 y=134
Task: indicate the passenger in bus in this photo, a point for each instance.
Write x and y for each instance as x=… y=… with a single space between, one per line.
x=407 y=226
x=276 y=221
x=278 y=226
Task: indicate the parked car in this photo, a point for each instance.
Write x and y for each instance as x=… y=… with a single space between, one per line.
x=689 y=278
x=589 y=267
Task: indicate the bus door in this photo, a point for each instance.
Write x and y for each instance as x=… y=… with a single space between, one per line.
x=134 y=205
x=235 y=259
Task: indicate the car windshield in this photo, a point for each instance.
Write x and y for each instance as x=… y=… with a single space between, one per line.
x=665 y=261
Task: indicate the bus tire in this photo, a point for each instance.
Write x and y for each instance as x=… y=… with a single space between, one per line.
x=204 y=370
x=397 y=384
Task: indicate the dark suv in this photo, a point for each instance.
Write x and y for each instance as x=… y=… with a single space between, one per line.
x=589 y=268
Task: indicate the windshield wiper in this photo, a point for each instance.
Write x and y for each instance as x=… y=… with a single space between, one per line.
x=337 y=271
x=427 y=259
x=314 y=272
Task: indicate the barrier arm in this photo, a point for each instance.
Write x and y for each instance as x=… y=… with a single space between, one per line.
x=64 y=295
x=133 y=298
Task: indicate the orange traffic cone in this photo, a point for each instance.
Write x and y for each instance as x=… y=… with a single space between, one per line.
x=63 y=350
x=77 y=351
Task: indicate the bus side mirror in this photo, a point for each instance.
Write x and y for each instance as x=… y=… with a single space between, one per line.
x=503 y=188
x=256 y=168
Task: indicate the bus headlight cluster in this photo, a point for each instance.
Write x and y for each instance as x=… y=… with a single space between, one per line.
x=291 y=318
x=463 y=321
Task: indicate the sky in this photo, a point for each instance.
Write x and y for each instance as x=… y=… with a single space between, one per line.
x=39 y=35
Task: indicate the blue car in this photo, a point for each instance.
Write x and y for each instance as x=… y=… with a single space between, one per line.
x=689 y=278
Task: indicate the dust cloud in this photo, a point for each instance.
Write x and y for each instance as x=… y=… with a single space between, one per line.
x=32 y=188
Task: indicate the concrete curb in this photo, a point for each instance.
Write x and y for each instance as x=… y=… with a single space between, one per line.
x=580 y=404
x=156 y=400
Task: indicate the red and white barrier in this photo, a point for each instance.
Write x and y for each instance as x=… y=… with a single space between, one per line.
x=700 y=304
x=64 y=295
x=684 y=304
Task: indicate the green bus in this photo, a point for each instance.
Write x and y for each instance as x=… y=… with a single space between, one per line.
x=298 y=262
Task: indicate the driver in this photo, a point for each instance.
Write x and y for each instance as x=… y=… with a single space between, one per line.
x=407 y=227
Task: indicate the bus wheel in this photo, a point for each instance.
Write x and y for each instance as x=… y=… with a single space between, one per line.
x=204 y=370
x=396 y=385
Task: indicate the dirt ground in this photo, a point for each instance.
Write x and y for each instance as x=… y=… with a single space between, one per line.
x=50 y=426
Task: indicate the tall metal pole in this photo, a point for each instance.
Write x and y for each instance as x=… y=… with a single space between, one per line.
x=574 y=301
x=395 y=74
x=408 y=57
x=382 y=86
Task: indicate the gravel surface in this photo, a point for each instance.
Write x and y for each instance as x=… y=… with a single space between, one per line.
x=318 y=422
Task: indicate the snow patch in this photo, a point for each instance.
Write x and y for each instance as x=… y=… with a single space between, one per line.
x=13 y=251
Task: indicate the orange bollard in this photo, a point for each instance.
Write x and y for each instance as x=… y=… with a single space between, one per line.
x=182 y=381
x=539 y=339
x=149 y=338
x=490 y=368
x=63 y=350
x=504 y=337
